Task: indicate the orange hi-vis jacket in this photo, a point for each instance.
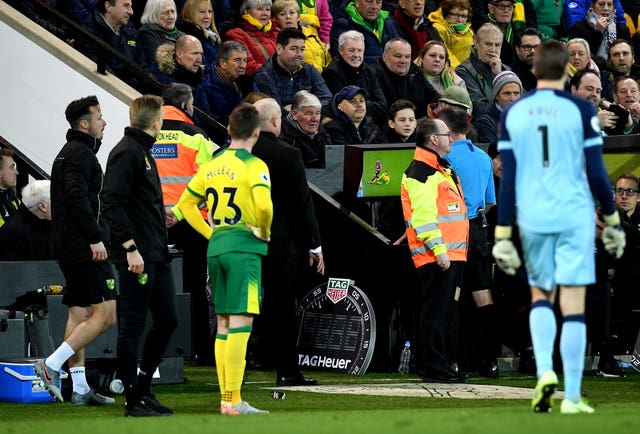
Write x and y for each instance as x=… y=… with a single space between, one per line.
x=180 y=149
x=434 y=211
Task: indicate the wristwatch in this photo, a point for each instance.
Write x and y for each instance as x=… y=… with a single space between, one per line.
x=131 y=248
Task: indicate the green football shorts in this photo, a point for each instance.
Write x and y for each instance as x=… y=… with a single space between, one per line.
x=236 y=282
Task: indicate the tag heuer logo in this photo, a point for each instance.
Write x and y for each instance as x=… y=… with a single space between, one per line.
x=337 y=289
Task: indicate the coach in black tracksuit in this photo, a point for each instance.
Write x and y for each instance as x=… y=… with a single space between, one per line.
x=133 y=206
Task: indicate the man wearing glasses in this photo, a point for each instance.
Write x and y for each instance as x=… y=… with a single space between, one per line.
x=509 y=15
x=526 y=44
x=437 y=231
x=624 y=284
x=626 y=191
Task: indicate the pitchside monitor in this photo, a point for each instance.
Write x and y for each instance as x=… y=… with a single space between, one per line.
x=375 y=171
x=622 y=155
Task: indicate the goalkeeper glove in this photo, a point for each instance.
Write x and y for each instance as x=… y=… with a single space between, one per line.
x=613 y=237
x=505 y=252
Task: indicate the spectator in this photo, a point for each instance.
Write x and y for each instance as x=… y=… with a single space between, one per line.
x=348 y=67
x=255 y=31
x=580 y=58
x=347 y=123
x=111 y=23
x=287 y=13
x=318 y=15
x=132 y=205
x=225 y=83
x=27 y=236
x=576 y=10
x=294 y=233
x=366 y=17
x=434 y=61
x=507 y=88
x=526 y=44
x=621 y=61
x=586 y=84
x=413 y=25
x=479 y=70
x=285 y=73
x=502 y=14
x=302 y=129
x=9 y=202
x=182 y=63
x=198 y=20
x=401 y=126
x=158 y=27
x=453 y=96
x=400 y=78
x=600 y=28
x=625 y=296
x=523 y=14
x=626 y=95
x=452 y=20
x=180 y=149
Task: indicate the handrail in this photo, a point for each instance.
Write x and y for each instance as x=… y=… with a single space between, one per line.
x=27 y=165
x=145 y=81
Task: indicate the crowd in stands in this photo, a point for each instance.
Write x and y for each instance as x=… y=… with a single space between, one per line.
x=366 y=71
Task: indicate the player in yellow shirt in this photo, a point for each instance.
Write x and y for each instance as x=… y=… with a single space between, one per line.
x=237 y=189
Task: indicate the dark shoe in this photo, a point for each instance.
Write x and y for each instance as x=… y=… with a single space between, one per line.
x=142 y=410
x=490 y=369
x=154 y=404
x=443 y=377
x=296 y=380
x=610 y=367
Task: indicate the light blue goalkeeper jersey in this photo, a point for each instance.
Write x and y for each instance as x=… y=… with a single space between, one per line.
x=548 y=132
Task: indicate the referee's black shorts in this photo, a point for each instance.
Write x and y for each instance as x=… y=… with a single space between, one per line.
x=477 y=271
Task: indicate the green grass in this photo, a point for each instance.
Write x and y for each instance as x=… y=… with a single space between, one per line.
x=195 y=403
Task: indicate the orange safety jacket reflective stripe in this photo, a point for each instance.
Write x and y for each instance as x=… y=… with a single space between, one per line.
x=434 y=211
x=179 y=154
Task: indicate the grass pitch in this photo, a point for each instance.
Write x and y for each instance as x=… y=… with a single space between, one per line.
x=617 y=403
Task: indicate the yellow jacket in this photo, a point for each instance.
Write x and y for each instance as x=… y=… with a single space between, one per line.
x=315 y=51
x=458 y=43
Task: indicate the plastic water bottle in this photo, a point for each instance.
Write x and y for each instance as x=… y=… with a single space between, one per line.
x=405 y=358
x=50 y=290
x=116 y=386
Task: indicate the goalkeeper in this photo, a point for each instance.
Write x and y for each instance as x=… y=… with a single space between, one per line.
x=551 y=151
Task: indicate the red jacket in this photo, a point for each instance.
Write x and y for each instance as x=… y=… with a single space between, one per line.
x=249 y=36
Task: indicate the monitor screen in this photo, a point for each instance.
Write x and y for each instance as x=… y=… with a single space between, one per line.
x=373 y=171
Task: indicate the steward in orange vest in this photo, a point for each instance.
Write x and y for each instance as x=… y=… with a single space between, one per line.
x=437 y=231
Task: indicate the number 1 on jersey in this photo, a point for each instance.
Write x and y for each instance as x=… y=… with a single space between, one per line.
x=545 y=144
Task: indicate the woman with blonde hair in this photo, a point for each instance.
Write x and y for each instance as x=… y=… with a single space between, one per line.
x=255 y=31
x=453 y=22
x=198 y=20
x=287 y=14
x=580 y=58
x=433 y=59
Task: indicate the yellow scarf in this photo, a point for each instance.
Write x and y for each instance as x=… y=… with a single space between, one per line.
x=257 y=24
